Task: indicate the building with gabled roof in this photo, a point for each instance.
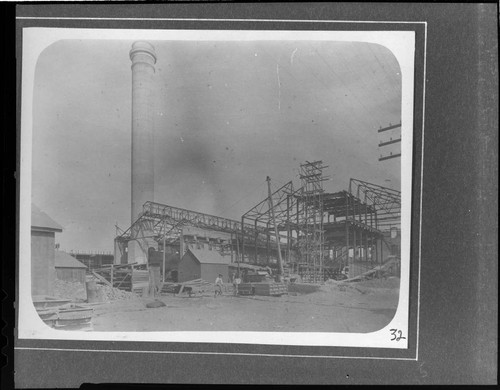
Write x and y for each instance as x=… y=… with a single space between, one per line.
x=203 y=264
x=43 y=272
x=68 y=268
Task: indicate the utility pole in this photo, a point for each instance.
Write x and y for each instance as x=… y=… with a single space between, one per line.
x=280 y=260
x=164 y=239
x=238 y=253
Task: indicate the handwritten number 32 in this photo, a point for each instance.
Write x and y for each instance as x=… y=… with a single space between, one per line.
x=397 y=335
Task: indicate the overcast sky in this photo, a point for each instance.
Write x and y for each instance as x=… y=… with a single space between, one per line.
x=226 y=115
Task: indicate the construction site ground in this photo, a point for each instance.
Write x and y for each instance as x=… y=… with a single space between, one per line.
x=362 y=307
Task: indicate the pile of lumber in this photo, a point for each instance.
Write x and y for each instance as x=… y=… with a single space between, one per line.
x=274 y=289
x=68 y=318
x=266 y=289
x=190 y=287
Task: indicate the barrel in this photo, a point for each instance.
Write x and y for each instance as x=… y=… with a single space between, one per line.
x=92 y=291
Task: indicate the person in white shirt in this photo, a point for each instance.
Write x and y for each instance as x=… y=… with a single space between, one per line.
x=218 y=285
x=236 y=282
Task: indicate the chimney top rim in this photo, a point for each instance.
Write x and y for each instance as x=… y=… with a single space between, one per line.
x=143 y=46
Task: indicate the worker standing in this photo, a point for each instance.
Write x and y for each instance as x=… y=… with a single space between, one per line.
x=154 y=273
x=218 y=285
x=236 y=283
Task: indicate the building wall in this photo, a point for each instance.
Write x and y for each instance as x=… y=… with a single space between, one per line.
x=42 y=263
x=71 y=274
x=209 y=272
x=189 y=268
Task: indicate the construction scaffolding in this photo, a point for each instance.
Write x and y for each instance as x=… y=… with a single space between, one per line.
x=298 y=216
x=319 y=235
x=311 y=234
x=325 y=235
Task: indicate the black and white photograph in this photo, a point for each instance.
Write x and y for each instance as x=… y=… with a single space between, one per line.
x=217 y=186
x=268 y=193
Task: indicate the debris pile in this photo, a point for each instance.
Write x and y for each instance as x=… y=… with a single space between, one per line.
x=391 y=282
x=363 y=286
x=108 y=293
x=70 y=290
x=77 y=292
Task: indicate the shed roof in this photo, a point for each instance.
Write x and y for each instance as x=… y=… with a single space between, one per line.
x=208 y=257
x=63 y=260
x=40 y=220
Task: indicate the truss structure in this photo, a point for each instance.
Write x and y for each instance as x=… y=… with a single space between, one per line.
x=286 y=216
x=386 y=202
x=164 y=223
x=299 y=216
x=319 y=233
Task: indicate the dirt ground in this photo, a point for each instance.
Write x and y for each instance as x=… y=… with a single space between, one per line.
x=334 y=307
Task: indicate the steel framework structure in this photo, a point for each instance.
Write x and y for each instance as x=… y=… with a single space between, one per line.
x=319 y=233
x=285 y=202
x=162 y=222
x=325 y=232
x=299 y=215
x=312 y=235
x=386 y=201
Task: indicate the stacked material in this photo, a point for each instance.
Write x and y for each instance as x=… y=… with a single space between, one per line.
x=245 y=289
x=266 y=289
x=68 y=317
x=190 y=287
x=311 y=277
x=275 y=289
x=198 y=285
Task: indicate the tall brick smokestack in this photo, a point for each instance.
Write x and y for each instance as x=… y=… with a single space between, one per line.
x=143 y=59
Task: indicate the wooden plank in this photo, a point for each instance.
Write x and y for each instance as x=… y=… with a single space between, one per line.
x=193 y=281
x=102 y=279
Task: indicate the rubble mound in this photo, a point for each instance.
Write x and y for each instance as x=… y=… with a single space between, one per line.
x=77 y=292
x=109 y=293
x=369 y=286
x=70 y=290
x=390 y=282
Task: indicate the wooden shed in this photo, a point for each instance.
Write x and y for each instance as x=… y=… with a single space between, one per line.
x=203 y=264
x=68 y=268
x=43 y=273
